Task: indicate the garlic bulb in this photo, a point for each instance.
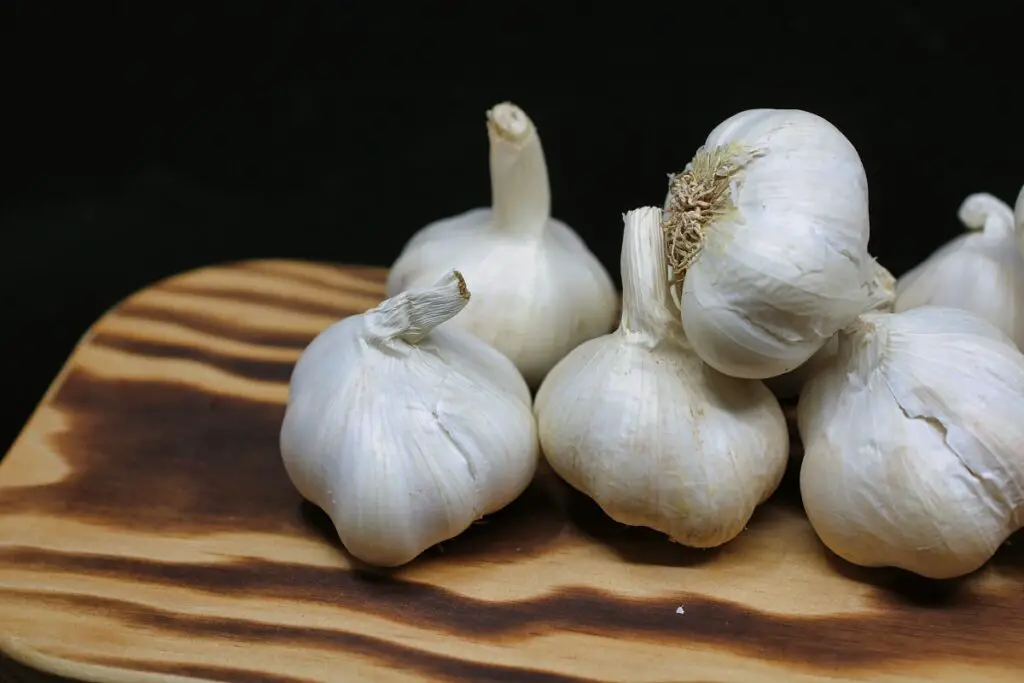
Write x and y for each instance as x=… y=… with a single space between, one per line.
x=538 y=291
x=914 y=442
x=658 y=439
x=767 y=233
x=403 y=432
x=980 y=271
x=882 y=290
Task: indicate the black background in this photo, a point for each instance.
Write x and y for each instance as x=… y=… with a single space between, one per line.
x=143 y=139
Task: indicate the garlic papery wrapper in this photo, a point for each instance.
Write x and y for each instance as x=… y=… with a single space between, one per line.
x=538 y=291
x=914 y=442
x=882 y=295
x=981 y=271
x=657 y=438
x=767 y=231
x=404 y=432
x=1018 y=218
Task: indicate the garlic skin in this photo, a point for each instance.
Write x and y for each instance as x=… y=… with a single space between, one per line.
x=981 y=271
x=882 y=290
x=637 y=422
x=767 y=231
x=538 y=291
x=914 y=442
x=404 y=432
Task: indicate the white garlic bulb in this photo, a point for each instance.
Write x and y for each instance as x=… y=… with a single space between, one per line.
x=980 y=271
x=657 y=438
x=405 y=433
x=768 y=233
x=538 y=291
x=882 y=295
x=914 y=442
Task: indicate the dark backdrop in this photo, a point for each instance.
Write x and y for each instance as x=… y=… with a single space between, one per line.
x=147 y=138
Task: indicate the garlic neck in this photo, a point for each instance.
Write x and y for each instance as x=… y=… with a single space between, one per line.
x=645 y=286
x=989 y=214
x=411 y=315
x=520 y=193
x=861 y=348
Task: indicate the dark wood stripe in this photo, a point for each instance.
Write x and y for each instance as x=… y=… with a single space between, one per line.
x=280 y=301
x=385 y=652
x=129 y=448
x=215 y=326
x=969 y=630
x=263 y=370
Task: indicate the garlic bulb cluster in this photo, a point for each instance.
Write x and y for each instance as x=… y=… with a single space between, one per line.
x=980 y=271
x=538 y=290
x=635 y=420
x=405 y=432
x=882 y=294
x=768 y=233
x=914 y=442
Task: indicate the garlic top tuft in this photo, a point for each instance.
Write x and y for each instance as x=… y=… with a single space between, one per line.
x=981 y=271
x=914 y=442
x=635 y=420
x=405 y=432
x=539 y=291
x=767 y=233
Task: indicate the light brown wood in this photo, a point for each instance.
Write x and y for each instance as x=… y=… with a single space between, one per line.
x=148 y=533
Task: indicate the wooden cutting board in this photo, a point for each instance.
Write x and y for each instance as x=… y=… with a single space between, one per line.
x=148 y=533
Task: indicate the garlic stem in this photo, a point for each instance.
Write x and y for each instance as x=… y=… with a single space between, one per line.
x=520 y=193
x=645 y=288
x=982 y=211
x=411 y=315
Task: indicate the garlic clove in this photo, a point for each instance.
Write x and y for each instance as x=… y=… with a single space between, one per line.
x=912 y=442
x=981 y=271
x=637 y=422
x=767 y=232
x=538 y=290
x=405 y=432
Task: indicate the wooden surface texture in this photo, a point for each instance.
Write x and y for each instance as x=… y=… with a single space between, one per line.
x=148 y=533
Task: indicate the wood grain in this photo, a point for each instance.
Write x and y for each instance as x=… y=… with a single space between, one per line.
x=148 y=533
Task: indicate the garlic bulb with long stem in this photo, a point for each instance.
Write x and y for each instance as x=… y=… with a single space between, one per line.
x=914 y=442
x=405 y=432
x=657 y=438
x=788 y=386
x=981 y=271
x=767 y=233
x=538 y=290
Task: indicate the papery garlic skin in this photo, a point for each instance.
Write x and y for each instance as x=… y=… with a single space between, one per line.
x=538 y=291
x=404 y=432
x=768 y=230
x=914 y=442
x=637 y=422
x=980 y=271
x=882 y=294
